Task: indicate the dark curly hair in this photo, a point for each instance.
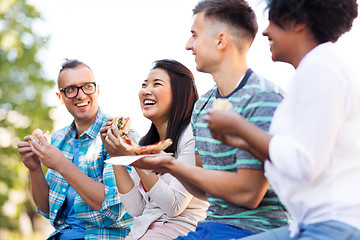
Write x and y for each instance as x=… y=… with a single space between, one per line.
x=328 y=19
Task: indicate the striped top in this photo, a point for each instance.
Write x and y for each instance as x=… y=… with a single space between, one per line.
x=256 y=100
x=111 y=221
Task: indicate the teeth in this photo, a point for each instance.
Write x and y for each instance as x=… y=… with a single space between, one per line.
x=147 y=102
x=81 y=104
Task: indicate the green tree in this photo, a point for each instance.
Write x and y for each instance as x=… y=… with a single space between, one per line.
x=22 y=104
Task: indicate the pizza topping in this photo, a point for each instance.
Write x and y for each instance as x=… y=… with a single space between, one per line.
x=127 y=140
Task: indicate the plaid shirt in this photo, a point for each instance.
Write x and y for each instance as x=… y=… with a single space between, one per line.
x=111 y=221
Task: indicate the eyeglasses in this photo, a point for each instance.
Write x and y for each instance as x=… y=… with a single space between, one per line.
x=73 y=91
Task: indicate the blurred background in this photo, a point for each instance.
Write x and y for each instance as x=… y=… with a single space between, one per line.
x=119 y=40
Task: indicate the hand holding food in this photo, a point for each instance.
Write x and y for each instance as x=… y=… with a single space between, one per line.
x=39 y=131
x=123 y=124
x=222 y=104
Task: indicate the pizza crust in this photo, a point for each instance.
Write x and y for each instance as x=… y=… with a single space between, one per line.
x=148 y=149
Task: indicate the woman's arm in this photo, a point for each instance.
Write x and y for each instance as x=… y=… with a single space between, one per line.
x=234 y=130
x=169 y=192
x=129 y=192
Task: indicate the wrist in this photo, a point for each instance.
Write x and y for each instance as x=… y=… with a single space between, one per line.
x=36 y=169
x=171 y=165
x=240 y=123
x=62 y=166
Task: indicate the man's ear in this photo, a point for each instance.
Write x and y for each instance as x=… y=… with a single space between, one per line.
x=222 y=40
x=60 y=97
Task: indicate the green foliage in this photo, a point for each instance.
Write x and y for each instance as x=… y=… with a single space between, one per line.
x=22 y=104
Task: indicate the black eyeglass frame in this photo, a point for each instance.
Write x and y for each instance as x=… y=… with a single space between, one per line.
x=77 y=88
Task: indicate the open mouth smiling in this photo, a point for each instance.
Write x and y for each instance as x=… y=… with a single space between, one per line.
x=149 y=102
x=82 y=104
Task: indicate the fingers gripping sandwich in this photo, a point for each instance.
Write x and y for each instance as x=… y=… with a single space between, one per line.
x=41 y=132
x=123 y=124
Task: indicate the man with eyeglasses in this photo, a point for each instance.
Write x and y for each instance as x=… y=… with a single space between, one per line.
x=79 y=193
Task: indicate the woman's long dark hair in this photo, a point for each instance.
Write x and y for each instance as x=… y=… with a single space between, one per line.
x=184 y=95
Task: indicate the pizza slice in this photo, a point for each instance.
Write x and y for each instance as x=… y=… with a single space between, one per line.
x=148 y=149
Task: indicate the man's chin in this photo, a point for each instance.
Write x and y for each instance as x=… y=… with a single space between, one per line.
x=84 y=117
x=200 y=69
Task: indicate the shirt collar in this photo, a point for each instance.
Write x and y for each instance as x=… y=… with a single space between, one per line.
x=92 y=131
x=323 y=47
x=241 y=85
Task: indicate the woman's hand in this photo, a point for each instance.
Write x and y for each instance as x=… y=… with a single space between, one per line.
x=231 y=140
x=103 y=134
x=113 y=143
x=159 y=163
x=223 y=121
x=222 y=125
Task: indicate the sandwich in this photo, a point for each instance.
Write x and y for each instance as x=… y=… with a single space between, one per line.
x=123 y=124
x=222 y=104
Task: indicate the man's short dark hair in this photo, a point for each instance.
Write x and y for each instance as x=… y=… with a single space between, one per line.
x=327 y=19
x=236 y=13
x=71 y=63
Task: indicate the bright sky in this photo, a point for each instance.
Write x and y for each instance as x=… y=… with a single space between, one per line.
x=120 y=39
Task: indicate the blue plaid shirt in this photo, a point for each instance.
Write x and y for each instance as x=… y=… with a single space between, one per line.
x=111 y=221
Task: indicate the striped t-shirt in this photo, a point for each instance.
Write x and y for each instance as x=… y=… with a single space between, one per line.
x=256 y=100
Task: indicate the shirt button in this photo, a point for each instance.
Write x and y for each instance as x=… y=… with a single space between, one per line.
x=55 y=211
x=64 y=190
